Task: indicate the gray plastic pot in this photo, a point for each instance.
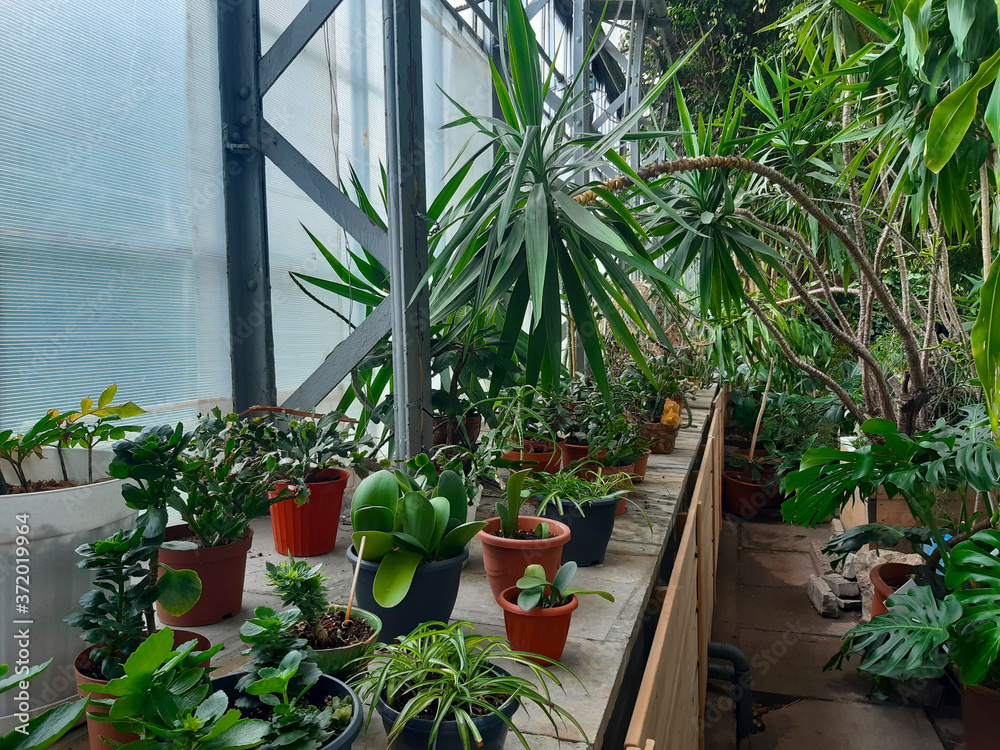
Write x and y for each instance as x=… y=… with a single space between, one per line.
x=431 y=597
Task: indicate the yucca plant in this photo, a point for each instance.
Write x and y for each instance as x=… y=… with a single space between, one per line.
x=452 y=672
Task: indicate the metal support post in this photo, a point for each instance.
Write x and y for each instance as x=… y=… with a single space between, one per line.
x=404 y=105
x=252 y=339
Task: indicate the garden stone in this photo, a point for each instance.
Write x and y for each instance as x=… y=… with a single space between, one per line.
x=822 y=597
x=841 y=586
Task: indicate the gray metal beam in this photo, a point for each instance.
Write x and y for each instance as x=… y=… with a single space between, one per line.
x=326 y=195
x=293 y=40
x=404 y=104
x=344 y=358
x=249 y=273
x=579 y=44
x=535 y=6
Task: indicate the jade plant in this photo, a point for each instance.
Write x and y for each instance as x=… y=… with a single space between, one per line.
x=404 y=526
x=536 y=591
x=270 y=636
x=44 y=730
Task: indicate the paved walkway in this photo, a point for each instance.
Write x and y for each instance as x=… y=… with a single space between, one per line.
x=762 y=607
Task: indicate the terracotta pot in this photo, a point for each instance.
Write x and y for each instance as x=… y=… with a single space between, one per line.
x=886 y=578
x=536 y=458
x=605 y=471
x=981 y=714
x=506 y=559
x=745 y=498
x=571 y=453
x=640 y=466
x=311 y=528
x=98 y=729
x=446 y=430
x=540 y=631
x=222 y=571
x=663 y=436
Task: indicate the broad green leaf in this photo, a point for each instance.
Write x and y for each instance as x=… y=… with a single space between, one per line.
x=986 y=344
x=180 y=590
x=973 y=571
x=373 y=518
x=871 y=21
x=44 y=730
x=394 y=576
x=377 y=544
x=536 y=245
x=418 y=518
x=456 y=539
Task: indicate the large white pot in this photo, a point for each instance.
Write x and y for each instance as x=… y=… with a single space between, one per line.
x=58 y=522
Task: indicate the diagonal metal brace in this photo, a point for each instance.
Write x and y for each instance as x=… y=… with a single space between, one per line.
x=293 y=40
x=325 y=194
x=344 y=358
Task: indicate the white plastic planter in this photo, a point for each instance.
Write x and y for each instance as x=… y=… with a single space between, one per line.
x=58 y=521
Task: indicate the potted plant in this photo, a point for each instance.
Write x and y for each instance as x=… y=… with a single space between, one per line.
x=307 y=457
x=522 y=435
x=511 y=542
x=55 y=491
x=654 y=401
x=441 y=687
x=750 y=484
x=587 y=508
x=411 y=544
x=537 y=612
x=116 y=616
x=337 y=634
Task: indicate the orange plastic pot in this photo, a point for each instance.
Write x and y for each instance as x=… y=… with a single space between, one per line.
x=640 y=466
x=536 y=458
x=311 y=528
x=540 y=631
x=98 y=729
x=571 y=453
x=506 y=559
x=222 y=571
x=981 y=715
x=886 y=578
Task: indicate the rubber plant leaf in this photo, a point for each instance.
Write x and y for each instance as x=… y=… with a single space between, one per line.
x=953 y=117
x=180 y=590
x=394 y=577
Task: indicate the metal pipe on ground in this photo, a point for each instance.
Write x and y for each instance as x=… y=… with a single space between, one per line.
x=737 y=672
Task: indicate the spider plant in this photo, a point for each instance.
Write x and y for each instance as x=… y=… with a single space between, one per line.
x=566 y=487
x=450 y=670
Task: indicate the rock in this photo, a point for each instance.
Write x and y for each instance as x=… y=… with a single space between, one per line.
x=841 y=586
x=849 y=603
x=849 y=570
x=820 y=561
x=836 y=528
x=822 y=597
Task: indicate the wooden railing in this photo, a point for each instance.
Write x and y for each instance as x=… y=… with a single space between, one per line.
x=669 y=711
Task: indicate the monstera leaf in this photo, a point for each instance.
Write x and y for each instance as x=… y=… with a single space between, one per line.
x=974 y=574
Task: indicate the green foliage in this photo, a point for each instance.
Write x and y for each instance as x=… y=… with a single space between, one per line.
x=300 y=585
x=537 y=591
x=15 y=448
x=510 y=511
x=974 y=573
x=451 y=672
x=405 y=526
x=45 y=729
x=553 y=490
x=295 y=724
x=271 y=636
x=986 y=346
x=881 y=535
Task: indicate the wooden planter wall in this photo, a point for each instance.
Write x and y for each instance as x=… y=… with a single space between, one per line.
x=669 y=712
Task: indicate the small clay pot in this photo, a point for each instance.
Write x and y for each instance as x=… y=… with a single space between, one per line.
x=222 y=571
x=309 y=529
x=535 y=456
x=981 y=715
x=886 y=578
x=571 y=453
x=640 y=466
x=744 y=498
x=506 y=559
x=539 y=631
x=447 y=432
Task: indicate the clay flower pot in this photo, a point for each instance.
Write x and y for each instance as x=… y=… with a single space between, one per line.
x=571 y=453
x=640 y=466
x=98 y=729
x=447 y=432
x=536 y=457
x=539 y=631
x=981 y=715
x=311 y=528
x=745 y=498
x=506 y=559
x=886 y=578
x=222 y=571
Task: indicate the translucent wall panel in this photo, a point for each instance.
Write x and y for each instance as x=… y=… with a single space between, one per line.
x=112 y=249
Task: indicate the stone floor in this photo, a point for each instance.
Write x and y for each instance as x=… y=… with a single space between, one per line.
x=602 y=636
x=762 y=607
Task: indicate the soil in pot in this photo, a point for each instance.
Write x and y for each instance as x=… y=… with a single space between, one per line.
x=309 y=529
x=89 y=672
x=542 y=631
x=537 y=456
x=886 y=578
x=222 y=571
x=319 y=694
x=506 y=559
x=431 y=597
x=981 y=715
x=743 y=497
x=416 y=734
x=590 y=531
x=338 y=642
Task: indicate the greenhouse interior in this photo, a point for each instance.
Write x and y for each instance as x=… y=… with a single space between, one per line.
x=495 y=374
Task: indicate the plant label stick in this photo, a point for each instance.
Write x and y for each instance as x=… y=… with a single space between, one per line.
x=354 y=583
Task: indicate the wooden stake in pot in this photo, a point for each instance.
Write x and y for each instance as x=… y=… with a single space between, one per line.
x=354 y=583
